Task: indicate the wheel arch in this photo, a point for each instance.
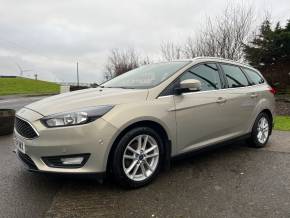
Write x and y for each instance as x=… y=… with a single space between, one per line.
x=266 y=111
x=143 y=123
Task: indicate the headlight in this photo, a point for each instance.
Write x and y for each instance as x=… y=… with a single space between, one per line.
x=77 y=117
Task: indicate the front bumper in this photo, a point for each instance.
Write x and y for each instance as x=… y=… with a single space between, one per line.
x=29 y=163
x=94 y=138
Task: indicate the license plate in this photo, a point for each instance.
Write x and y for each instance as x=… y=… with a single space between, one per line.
x=20 y=145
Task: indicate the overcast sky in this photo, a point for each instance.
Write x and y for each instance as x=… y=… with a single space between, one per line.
x=49 y=37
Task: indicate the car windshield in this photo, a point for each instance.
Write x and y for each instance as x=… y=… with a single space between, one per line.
x=146 y=76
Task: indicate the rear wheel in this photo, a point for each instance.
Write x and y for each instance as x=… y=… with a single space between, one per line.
x=137 y=157
x=261 y=131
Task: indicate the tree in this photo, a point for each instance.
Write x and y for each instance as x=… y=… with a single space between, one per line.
x=121 y=61
x=269 y=51
x=287 y=27
x=171 y=51
x=190 y=48
x=270 y=45
x=224 y=35
x=221 y=36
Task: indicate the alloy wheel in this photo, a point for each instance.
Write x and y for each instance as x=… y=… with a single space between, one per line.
x=140 y=158
x=263 y=130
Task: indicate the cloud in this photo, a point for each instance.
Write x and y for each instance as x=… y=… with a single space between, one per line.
x=49 y=37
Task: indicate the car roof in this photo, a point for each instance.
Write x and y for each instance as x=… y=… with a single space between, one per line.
x=217 y=59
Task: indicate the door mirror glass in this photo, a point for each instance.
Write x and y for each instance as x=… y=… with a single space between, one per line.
x=189 y=85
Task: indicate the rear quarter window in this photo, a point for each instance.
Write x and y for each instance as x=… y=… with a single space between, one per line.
x=254 y=77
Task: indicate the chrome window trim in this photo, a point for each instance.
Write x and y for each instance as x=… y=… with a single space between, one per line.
x=218 y=62
x=190 y=93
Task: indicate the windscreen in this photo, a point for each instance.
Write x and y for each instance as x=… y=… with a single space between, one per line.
x=146 y=76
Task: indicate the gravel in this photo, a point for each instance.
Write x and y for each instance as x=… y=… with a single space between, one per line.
x=283 y=108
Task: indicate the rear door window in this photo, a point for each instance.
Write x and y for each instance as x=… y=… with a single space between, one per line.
x=235 y=76
x=207 y=74
x=254 y=76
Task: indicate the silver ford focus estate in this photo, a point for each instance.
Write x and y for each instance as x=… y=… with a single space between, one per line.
x=132 y=125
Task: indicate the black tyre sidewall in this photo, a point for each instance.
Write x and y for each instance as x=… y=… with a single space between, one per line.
x=117 y=165
x=254 y=135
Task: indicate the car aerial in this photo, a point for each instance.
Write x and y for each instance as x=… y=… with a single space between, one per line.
x=132 y=125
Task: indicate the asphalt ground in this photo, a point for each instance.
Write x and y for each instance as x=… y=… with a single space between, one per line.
x=22 y=194
x=17 y=102
x=230 y=181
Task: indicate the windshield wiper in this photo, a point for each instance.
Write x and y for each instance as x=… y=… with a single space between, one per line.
x=118 y=87
x=107 y=87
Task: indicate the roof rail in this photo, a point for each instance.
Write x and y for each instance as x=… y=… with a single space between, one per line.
x=208 y=57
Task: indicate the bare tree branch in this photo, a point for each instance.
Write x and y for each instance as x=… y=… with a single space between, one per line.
x=171 y=51
x=225 y=35
x=123 y=60
x=221 y=36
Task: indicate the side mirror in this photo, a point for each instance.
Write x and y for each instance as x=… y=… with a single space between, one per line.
x=188 y=85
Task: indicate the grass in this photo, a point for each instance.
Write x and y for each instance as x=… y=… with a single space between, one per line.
x=282 y=123
x=14 y=86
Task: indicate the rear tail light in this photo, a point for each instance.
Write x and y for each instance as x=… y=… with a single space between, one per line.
x=272 y=90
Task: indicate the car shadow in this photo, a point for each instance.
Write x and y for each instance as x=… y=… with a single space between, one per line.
x=193 y=185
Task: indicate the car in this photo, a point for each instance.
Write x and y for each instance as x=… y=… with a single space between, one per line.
x=132 y=125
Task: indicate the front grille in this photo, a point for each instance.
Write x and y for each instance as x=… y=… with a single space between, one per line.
x=27 y=160
x=24 y=129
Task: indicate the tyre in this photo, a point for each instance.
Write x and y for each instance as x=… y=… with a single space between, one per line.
x=138 y=157
x=261 y=131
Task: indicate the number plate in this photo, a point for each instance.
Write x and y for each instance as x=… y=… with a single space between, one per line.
x=19 y=145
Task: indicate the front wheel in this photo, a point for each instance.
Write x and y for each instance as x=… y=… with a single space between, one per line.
x=138 y=157
x=261 y=131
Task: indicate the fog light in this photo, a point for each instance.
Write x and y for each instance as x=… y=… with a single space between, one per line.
x=72 y=160
x=67 y=161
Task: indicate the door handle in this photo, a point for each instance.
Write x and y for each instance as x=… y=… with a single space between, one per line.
x=221 y=100
x=254 y=95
